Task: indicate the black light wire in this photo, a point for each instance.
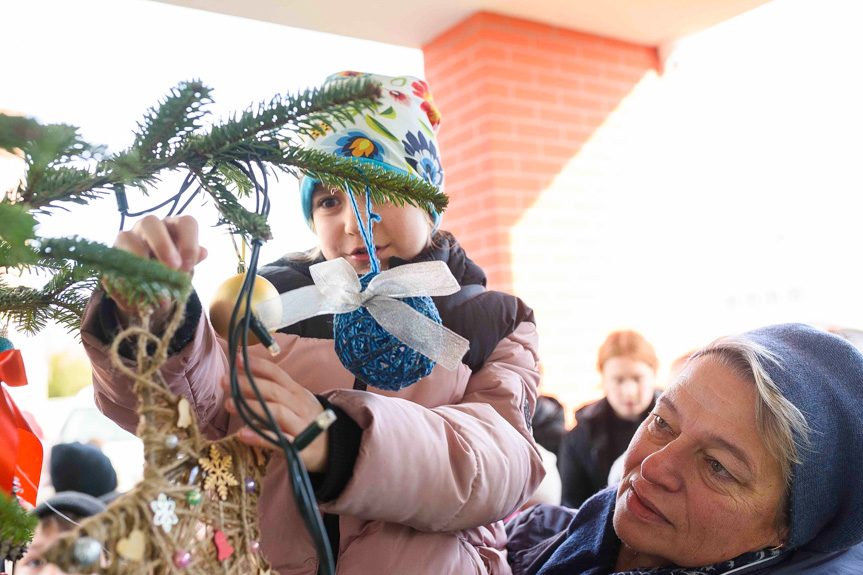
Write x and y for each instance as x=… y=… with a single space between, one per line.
x=301 y=485
x=302 y=489
x=123 y=204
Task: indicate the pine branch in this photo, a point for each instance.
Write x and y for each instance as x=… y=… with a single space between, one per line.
x=384 y=185
x=229 y=161
x=177 y=115
x=333 y=104
x=18 y=227
x=63 y=184
x=142 y=282
x=232 y=212
x=44 y=148
x=16 y=528
x=173 y=139
x=61 y=300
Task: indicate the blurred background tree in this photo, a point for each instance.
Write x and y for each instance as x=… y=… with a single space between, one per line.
x=68 y=373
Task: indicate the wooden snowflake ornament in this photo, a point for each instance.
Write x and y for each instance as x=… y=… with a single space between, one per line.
x=218 y=469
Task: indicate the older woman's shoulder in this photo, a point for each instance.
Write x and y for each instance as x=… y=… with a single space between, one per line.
x=533 y=536
x=801 y=562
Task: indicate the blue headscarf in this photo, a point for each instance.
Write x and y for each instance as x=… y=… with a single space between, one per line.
x=822 y=375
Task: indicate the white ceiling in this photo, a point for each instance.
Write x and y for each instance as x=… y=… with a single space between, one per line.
x=414 y=23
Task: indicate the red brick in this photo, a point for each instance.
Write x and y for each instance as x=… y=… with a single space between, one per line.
x=493 y=89
x=491 y=51
x=521 y=181
x=557 y=45
x=512 y=38
x=519 y=100
x=535 y=166
x=512 y=108
x=613 y=89
x=560 y=151
x=565 y=116
x=496 y=126
x=582 y=101
x=536 y=94
x=631 y=74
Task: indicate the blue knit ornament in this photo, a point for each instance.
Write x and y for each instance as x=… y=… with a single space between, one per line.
x=367 y=350
x=372 y=354
x=5 y=344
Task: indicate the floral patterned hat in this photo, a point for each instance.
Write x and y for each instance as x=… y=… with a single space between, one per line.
x=399 y=135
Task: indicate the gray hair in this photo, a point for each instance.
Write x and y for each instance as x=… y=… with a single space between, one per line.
x=778 y=420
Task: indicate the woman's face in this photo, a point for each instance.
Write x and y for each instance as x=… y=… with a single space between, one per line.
x=628 y=386
x=403 y=231
x=699 y=485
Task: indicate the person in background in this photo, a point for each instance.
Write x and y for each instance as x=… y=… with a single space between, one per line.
x=628 y=364
x=616 y=473
x=549 y=423
x=57 y=516
x=83 y=468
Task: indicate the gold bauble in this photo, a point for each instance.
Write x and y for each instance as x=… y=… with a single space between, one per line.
x=225 y=298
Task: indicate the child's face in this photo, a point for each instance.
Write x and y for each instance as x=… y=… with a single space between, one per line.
x=47 y=532
x=403 y=231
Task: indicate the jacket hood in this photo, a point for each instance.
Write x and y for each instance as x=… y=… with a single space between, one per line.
x=822 y=375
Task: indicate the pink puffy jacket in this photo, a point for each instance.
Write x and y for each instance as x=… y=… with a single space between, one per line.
x=440 y=463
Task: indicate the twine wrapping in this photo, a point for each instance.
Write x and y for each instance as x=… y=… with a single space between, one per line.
x=173 y=471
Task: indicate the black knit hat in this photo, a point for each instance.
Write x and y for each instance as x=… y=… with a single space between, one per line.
x=73 y=503
x=82 y=468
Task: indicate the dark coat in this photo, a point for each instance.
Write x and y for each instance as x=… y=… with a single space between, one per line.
x=588 y=451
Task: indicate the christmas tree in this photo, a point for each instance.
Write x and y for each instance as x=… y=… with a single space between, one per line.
x=195 y=510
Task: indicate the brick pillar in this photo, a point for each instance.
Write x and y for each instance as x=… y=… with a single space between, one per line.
x=520 y=101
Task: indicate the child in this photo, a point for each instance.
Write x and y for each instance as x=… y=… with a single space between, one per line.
x=409 y=481
x=54 y=516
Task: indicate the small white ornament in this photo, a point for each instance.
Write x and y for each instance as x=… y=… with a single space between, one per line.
x=164 y=515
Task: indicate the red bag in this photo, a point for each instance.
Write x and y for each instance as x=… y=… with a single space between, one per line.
x=20 y=449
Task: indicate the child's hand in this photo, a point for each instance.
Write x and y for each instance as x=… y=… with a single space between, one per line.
x=293 y=406
x=172 y=241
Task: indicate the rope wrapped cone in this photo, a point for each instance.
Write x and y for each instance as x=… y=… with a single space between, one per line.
x=133 y=538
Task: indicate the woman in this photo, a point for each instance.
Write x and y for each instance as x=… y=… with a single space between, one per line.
x=627 y=364
x=750 y=463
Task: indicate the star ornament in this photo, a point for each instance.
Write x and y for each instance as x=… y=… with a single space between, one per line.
x=164 y=514
x=218 y=468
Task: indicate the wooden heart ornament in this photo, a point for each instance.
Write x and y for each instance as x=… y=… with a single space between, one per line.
x=132 y=547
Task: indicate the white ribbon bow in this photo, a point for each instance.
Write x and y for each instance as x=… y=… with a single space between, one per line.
x=337 y=290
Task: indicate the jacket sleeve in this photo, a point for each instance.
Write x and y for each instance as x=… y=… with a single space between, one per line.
x=576 y=484
x=450 y=467
x=193 y=372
